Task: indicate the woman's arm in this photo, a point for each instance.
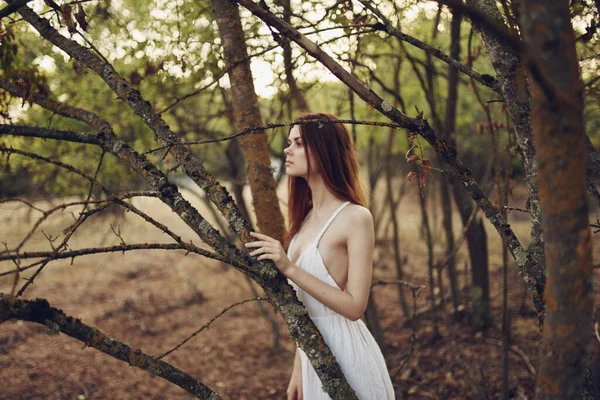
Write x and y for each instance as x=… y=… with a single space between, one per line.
x=351 y=302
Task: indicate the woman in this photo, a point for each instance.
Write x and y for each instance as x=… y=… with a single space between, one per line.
x=329 y=258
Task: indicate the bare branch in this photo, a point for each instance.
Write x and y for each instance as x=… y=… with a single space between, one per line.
x=213 y=319
x=397 y=282
x=13 y=7
x=192 y=166
x=83 y=216
x=494 y=26
x=282 y=124
x=413 y=336
x=414 y=125
x=51 y=255
x=40 y=311
x=68 y=167
x=105 y=203
x=34 y=131
x=387 y=26
x=108 y=141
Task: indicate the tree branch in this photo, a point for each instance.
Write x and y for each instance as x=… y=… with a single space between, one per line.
x=11 y=8
x=280 y=293
x=478 y=17
x=205 y=326
x=40 y=311
x=414 y=126
x=108 y=141
x=53 y=255
x=485 y=80
x=192 y=166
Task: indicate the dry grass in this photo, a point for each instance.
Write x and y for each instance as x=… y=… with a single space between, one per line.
x=154 y=299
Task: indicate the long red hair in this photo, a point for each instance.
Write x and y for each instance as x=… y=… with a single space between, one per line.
x=336 y=158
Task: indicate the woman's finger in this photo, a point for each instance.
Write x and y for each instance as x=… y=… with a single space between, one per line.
x=260 y=236
x=259 y=251
x=257 y=243
x=266 y=248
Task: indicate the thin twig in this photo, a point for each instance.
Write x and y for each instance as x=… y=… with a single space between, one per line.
x=210 y=322
x=51 y=255
x=398 y=282
x=413 y=336
x=279 y=125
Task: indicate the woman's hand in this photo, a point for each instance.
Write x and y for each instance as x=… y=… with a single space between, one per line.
x=271 y=249
x=294 y=390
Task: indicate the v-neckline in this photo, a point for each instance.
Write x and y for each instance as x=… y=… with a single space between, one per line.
x=304 y=252
x=328 y=222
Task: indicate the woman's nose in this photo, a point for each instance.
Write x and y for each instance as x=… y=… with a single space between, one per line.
x=287 y=150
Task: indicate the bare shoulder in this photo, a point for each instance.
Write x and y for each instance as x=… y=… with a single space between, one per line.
x=357 y=216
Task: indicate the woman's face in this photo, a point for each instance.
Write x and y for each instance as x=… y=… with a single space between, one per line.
x=296 y=162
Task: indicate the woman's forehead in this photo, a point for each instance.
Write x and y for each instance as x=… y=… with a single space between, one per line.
x=294 y=132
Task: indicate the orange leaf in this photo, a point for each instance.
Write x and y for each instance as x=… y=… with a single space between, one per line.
x=425 y=167
x=411 y=175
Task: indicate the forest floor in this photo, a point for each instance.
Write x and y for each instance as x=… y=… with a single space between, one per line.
x=154 y=299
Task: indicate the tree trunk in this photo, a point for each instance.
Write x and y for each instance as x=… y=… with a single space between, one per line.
x=431 y=267
x=448 y=132
x=557 y=116
x=455 y=166
x=280 y=294
x=255 y=146
x=478 y=254
x=295 y=93
x=513 y=84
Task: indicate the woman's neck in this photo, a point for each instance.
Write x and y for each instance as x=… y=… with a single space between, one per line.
x=321 y=196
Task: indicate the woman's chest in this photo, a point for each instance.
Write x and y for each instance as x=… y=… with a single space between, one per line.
x=330 y=248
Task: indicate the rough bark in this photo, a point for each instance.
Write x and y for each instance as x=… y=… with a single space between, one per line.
x=417 y=125
x=132 y=97
x=255 y=145
x=486 y=80
x=557 y=116
x=236 y=174
x=515 y=90
x=234 y=155
x=109 y=142
x=39 y=311
x=281 y=295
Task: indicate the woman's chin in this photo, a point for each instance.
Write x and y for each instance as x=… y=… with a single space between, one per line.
x=290 y=172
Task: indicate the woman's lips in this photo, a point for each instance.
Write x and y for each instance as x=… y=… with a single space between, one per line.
x=288 y=163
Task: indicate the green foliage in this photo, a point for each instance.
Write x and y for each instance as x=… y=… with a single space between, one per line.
x=171 y=49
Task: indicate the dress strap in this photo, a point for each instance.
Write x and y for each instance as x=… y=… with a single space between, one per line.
x=320 y=235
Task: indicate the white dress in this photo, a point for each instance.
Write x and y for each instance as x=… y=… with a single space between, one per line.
x=351 y=343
